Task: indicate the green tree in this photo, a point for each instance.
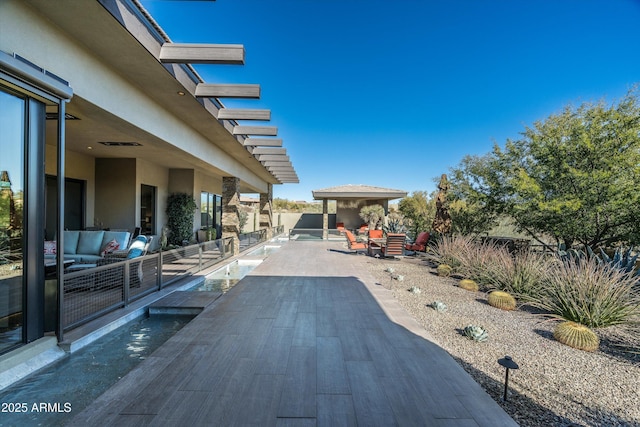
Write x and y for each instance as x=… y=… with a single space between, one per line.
x=419 y=209
x=574 y=176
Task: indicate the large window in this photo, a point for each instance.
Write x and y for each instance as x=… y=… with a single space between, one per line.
x=12 y=125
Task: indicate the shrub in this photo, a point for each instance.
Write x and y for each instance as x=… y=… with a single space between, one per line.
x=521 y=275
x=180 y=209
x=590 y=293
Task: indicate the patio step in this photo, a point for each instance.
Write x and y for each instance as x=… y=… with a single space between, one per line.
x=184 y=302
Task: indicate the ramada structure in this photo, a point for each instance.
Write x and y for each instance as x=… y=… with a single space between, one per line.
x=102 y=117
x=350 y=199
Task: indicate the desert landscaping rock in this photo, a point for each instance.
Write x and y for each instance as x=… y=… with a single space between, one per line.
x=556 y=385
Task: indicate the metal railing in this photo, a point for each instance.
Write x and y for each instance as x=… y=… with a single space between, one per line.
x=248 y=240
x=94 y=291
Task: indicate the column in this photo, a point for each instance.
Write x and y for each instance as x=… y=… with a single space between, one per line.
x=325 y=219
x=266 y=213
x=231 y=210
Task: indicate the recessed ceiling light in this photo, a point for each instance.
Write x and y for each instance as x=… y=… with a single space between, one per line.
x=181 y=93
x=89 y=148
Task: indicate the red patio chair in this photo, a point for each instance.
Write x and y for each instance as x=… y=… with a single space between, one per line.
x=354 y=245
x=420 y=244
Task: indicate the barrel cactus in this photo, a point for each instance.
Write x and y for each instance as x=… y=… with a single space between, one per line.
x=476 y=333
x=444 y=270
x=501 y=300
x=415 y=290
x=438 y=306
x=577 y=336
x=468 y=285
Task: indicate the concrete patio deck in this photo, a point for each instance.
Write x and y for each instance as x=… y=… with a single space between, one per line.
x=308 y=338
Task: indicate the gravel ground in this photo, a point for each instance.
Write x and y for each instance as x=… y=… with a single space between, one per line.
x=556 y=385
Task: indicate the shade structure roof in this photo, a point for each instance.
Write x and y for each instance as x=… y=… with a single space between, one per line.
x=358 y=191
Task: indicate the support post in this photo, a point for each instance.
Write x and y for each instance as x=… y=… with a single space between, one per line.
x=231 y=211
x=325 y=219
x=266 y=212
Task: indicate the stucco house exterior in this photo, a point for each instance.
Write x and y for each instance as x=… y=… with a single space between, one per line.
x=101 y=118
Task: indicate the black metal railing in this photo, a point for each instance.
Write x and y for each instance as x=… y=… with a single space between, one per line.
x=91 y=292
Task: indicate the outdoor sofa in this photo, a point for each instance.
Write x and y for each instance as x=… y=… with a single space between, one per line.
x=89 y=246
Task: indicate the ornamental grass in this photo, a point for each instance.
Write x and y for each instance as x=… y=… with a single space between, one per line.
x=590 y=293
x=477 y=262
x=450 y=250
x=521 y=275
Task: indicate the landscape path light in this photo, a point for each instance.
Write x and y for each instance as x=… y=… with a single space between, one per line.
x=508 y=363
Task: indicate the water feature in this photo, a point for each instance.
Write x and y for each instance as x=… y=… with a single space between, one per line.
x=65 y=388
x=226 y=277
x=266 y=250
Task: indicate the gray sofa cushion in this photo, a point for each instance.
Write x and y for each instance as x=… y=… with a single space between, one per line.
x=71 y=241
x=90 y=243
x=122 y=237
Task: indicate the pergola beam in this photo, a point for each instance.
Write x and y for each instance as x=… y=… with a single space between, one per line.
x=209 y=90
x=268 y=150
x=202 y=53
x=276 y=163
x=255 y=130
x=272 y=158
x=244 y=114
x=262 y=142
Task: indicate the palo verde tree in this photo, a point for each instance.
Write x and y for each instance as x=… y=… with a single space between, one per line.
x=574 y=176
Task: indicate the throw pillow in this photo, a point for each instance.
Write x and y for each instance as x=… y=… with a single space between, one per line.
x=110 y=247
x=50 y=247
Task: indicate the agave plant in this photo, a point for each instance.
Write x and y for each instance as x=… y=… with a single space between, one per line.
x=476 y=333
x=621 y=260
x=438 y=306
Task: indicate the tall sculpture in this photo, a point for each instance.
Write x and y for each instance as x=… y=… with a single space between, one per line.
x=442 y=221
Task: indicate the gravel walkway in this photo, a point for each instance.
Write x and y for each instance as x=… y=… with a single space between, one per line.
x=556 y=385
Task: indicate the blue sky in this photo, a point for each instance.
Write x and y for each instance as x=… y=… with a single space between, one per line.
x=394 y=93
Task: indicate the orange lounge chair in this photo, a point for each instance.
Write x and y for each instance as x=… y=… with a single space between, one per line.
x=420 y=244
x=354 y=245
x=375 y=234
x=340 y=227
